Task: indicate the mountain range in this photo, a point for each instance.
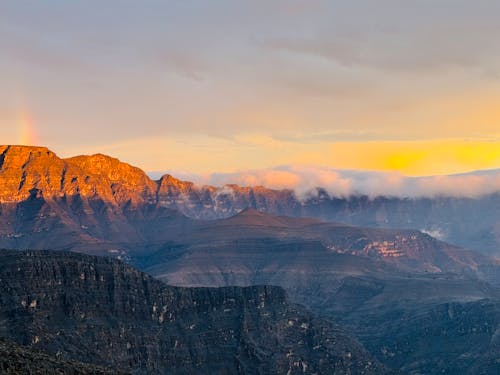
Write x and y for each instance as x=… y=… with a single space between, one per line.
x=413 y=300
x=94 y=198
x=98 y=200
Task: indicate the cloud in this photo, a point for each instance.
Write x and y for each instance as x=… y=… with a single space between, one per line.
x=304 y=181
x=301 y=72
x=390 y=35
x=434 y=232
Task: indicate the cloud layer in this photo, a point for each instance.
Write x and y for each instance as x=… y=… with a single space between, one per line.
x=96 y=74
x=304 y=181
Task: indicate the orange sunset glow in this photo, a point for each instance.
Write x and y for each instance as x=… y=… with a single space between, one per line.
x=243 y=87
x=420 y=158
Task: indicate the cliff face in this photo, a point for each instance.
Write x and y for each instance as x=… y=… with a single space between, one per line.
x=209 y=202
x=447 y=338
x=27 y=171
x=48 y=202
x=419 y=323
x=130 y=186
x=19 y=360
x=101 y=311
x=361 y=276
x=35 y=172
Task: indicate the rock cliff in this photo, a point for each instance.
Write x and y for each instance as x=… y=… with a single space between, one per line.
x=101 y=311
x=19 y=360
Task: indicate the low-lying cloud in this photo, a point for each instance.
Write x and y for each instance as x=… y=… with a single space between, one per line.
x=342 y=183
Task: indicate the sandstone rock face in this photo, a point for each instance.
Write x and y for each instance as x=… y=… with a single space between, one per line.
x=100 y=310
x=48 y=202
x=35 y=172
x=129 y=185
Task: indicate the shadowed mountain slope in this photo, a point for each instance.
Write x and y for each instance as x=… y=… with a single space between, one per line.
x=396 y=312
x=101 y=311
x=19 y=360
x=406 y=250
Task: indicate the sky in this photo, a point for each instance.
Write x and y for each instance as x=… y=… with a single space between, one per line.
x=224 y=87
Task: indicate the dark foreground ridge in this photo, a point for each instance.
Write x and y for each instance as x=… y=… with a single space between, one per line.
x=18 y=360
x=101 y=311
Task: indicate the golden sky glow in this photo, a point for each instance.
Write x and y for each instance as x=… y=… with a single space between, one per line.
x=201 y=154
x=234 y=86
x=419 y=158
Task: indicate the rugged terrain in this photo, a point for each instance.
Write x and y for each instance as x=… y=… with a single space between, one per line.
x=101 y=202
x=99 y=310
x=471 y=223
x=408 y=250
x=19 y=360
x=460 y=337
x=97 y=204
x=394 y=305
x=399 y=290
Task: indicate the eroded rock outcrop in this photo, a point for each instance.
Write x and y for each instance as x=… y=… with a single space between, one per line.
x=20 y=360
x=101 y=311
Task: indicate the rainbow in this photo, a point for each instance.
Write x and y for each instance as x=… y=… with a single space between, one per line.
x=27 y=131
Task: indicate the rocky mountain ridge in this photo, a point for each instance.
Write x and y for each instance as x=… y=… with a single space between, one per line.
x=104 y=194
x=99 y=310
x=97 y=204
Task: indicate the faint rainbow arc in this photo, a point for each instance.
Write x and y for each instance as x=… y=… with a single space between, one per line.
x=27 y=131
